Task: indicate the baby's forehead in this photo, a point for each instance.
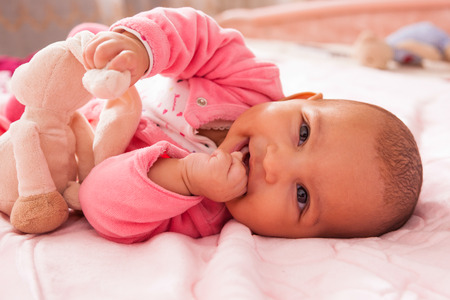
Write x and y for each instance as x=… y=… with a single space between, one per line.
x=344 y=103
x=370 y=114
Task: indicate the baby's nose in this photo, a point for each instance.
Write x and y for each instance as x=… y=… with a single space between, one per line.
x=276 y=164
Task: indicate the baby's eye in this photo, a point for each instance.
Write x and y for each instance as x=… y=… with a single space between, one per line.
x=302 y=196
x=304 y=134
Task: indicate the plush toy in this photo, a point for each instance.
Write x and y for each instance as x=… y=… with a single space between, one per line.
x=49 y=150
x=410 y=45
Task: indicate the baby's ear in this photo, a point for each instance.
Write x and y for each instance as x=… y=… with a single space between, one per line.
x=305 y=96
x=318 y=96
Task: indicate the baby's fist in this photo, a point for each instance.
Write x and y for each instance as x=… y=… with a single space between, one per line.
x=220 y=177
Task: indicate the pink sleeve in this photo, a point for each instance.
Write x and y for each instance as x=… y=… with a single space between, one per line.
x=123 y=205
x=4 y=124
x=188 y=44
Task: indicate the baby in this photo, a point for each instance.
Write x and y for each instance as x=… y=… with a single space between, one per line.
x=217 y=145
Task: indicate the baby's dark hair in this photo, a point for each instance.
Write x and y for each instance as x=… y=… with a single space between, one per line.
x=400 y=169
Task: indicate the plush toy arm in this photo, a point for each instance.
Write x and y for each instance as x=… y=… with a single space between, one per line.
x=33 y=174
x=84 y=137
x=117 y=125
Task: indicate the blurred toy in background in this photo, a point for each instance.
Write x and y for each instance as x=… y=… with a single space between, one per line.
x=410 y=45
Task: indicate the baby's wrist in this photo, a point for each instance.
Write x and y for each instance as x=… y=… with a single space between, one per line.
x=168 y=173
x=147 y=54
x=143 y=54
x=188 y=175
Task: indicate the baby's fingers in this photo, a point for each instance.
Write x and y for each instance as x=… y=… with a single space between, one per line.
x=237 y=175
x=100 y=50
x=121 y=61
x=106 y=52
x=127 y=60
x=89 y=52
x=237 y=155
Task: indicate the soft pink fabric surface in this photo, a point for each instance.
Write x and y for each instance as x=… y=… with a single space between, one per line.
x=410 y=263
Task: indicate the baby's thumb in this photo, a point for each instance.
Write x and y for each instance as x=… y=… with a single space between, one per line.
x=238 y=173
x=238 y=155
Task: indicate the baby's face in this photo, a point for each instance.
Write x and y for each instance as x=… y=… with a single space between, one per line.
x=312 y=169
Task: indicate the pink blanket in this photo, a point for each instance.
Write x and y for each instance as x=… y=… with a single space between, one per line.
x=411 y=263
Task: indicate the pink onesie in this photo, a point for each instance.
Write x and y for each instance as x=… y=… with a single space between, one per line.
x=221 y=78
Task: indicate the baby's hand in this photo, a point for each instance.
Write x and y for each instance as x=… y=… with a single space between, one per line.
x=117 y=51
x=220 y=177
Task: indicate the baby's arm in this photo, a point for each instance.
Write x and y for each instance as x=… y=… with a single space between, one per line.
x=123 y=205
x=187 y=44
x=220 y=177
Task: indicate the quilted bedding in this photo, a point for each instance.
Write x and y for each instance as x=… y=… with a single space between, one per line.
x=411 y=263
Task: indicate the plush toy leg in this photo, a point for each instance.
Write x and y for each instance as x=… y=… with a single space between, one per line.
x=85 y=155
x=84 y=147
x=71 y=195
x=39 y=208
x=39 y=213
x=117 y=125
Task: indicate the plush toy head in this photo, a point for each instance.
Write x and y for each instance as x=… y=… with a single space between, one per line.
x=53 y=72
x=372 y=51
x=55 y=68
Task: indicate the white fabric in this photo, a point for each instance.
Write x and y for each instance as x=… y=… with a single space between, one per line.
x=164 y=100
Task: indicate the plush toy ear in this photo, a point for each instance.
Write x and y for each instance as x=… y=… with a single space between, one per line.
x=367 y=36
x=101 y=83
x=77 y=43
